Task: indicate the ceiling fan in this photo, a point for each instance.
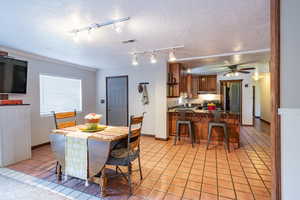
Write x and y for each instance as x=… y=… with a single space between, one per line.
x=234 y=70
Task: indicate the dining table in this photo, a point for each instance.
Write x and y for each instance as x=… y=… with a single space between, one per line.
x=97 y=150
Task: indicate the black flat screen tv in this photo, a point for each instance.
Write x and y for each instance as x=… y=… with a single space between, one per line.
x=13 y=76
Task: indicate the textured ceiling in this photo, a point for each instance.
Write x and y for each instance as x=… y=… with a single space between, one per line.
x=204 y=27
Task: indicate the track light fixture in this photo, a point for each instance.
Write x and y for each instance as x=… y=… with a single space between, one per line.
x=115 y=23
x=154 y=52
x=76 y=37
x=153 y=58
x=89 y=34
x=117 y=27
x=172 y=57
x=134 y=60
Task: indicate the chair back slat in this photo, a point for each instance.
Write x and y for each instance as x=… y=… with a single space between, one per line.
x=136 y=120
x=66 y=124
x=134 y=134
x=60 y=119
x=65 y=115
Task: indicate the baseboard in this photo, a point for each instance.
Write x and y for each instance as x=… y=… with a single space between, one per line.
x=265 y=121
x=147 y=135
x=162 y=139
x=39 y=145
x=156 y=138
x=247 y=125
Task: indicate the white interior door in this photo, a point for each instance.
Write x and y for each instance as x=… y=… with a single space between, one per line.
x=117 y=100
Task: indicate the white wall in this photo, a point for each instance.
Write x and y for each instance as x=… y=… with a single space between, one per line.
x=247 y=95
x=155 y=121
x=290 y=98
x=257 y=99
x=42 y=125
x=290 y=118
x=265 y=97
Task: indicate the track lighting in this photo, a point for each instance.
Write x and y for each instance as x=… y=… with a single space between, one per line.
x=89 y=34
x=116 y=24
x=172 y=57
x=154 y=52
x=153 y=58
x=134 y=60
x=117 y=27
x=76 y=37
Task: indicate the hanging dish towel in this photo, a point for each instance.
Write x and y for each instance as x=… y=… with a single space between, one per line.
x=76 y=157
x=145 y=98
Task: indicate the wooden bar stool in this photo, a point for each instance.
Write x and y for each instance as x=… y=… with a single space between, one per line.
x=182 y=120
x=218 y=123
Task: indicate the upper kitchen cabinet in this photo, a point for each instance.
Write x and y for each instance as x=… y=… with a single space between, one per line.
x=192 y=85
x=208 y=84
x=177 y=80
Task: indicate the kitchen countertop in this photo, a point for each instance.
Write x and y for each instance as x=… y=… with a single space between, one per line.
x=200 y=111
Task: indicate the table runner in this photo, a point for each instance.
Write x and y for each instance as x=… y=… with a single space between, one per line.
x=76 y=156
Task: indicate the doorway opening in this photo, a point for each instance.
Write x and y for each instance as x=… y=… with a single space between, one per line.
x=231 y=96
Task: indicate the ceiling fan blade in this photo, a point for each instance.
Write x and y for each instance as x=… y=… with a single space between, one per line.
x=249 y=68
x=243 y=72
x=228 y=72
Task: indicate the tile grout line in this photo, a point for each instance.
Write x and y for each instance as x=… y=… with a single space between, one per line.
x=40 y=183
x=204 y=163
x=190 y=173
x=233 y=183
x=161 y=159
x=244 y=172
x=177 y=168
x=256 y=151
x=257 y=172
x=218 y=195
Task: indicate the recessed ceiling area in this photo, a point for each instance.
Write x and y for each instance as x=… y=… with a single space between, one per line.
x=219 y=63
x=204 y=27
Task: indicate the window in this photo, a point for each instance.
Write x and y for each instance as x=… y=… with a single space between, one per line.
x=59 y=94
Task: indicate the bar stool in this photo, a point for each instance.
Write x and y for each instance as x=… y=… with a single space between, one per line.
x=183 y=121
x=218 y=123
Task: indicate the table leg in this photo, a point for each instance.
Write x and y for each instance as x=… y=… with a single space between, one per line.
x=103 y=183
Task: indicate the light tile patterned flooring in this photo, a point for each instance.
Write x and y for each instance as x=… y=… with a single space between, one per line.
x=181 y=172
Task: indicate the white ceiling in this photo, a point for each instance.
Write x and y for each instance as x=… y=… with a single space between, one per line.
x=204 y=27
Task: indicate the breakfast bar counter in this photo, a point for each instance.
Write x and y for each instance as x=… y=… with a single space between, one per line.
x=200 y=120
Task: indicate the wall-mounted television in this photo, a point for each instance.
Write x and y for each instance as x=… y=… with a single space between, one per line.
x=13 y=76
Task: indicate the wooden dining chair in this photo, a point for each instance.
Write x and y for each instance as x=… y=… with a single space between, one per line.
x=125 y=156
x=63 y=120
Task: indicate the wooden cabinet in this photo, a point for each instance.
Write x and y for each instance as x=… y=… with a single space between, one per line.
x=208 y=83
x=200 y=122
x=192 y=86
x=177 y=80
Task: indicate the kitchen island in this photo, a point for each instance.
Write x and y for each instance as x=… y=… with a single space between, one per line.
x=200 y=119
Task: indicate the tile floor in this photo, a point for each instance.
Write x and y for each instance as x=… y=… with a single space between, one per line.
x=181 y=172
